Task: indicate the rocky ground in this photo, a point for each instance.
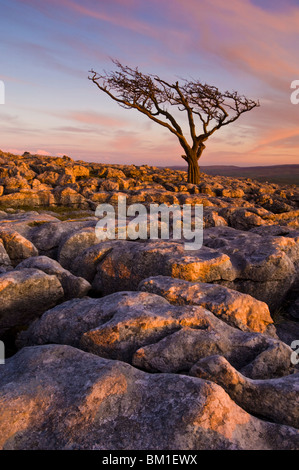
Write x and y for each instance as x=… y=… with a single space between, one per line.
x=140 y=344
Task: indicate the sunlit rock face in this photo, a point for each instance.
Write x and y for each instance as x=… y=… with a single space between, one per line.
x=255 y=396
x=81 y=401
x=266 y=267
x=145 y=329
x=17 y=247
x=128 y=263
x=237 y=309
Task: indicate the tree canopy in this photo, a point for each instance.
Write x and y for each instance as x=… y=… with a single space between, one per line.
x=207 y=109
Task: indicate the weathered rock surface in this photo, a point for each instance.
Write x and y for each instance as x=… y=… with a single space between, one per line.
x=74 y=243
x=17 y=247
x=252 y=354
x=47 y=237
x=265 y=267
x=5 y=263
x=85 y=264
x=72 y=286
x=29 y=198
x=80 y=401
x=236 y=309
x=275 y=399
x=69 y=197
x=210 y=317
x=25 y=295
x=157 y=336
x=128 y=263
x=24 y=222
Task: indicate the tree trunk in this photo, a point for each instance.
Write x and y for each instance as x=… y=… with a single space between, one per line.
x=192 y=156
x=193 y=171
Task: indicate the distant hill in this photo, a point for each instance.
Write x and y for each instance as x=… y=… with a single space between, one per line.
x=283 y=174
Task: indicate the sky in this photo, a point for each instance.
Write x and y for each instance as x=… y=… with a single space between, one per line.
x=51 y=108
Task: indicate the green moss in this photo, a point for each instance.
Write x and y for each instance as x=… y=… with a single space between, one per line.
x=61 y=212
x=37 y=223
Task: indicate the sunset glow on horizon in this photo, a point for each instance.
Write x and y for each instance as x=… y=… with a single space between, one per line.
x=51 y=107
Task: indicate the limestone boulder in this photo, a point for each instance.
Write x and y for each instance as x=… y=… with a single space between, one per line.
x=108 y=185
x=24 y=222
x=48 y=236
x=255 y=355
x=213 y=219
x=28 y=198
x=14 y=184
x=59 y=398
x=147 y=330
x=65 y=196
x=72 y=286
x=48 y=177
x=74 y=243
x=85 y=263
x=233 y=307
x=5 y=263
x=276 y=399
x=128 y=263
x=265 y=267
x=25 y=294
x=17 y=247
x=245 y=219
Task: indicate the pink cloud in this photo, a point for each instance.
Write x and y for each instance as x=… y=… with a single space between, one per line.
x=43 y=152
x=244 y=37
x=7 y=78
x=126 y=143
x=15 y=151
x=99 y=14
x=277 y=138
x=92 y=117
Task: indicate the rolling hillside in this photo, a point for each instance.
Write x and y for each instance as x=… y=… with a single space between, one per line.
x=284 y=174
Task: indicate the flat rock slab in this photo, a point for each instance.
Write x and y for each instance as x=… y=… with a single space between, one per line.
x=57 y=397
x=236 y=309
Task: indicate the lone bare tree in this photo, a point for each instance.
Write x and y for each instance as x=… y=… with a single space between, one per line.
x=204 y=105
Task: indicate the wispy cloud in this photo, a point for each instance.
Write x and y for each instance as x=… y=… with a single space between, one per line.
x=43 y=152
x=46 y=57
x=94 y=118
x=74 y=130
x=245 y=37
x=248 y=45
